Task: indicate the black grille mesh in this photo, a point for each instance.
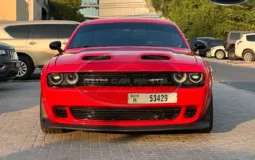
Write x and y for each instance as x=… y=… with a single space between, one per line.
x=124 y=113
x=60 y=112
x=190 y=112
x=131 y=79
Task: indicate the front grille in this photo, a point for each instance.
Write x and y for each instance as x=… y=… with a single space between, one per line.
x=190 y=112
x=124 y=113
x=60 y=112
x=12 y=54
x=129 y=79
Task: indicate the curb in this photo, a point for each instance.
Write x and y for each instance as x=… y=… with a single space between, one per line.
x=241 y=63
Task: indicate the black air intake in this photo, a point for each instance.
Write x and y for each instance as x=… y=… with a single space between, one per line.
x=87 y=58
x=155 y=57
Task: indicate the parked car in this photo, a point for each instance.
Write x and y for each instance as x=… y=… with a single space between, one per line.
x=210 y=43
x=230 y=40
x=245 y=47
x=31 y=40
x=135 y=81
x=219 y=52
x=9 y=63
x=205 y=39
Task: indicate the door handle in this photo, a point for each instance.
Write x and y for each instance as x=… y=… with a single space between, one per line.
x=32 y=43
x=64 y=42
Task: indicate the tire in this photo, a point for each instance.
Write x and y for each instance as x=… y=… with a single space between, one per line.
x=26 y=69
x=45 y=129
x=232 y=55
x=248 y=56
x=220 y=54
x=208 y=54
x=208 y=117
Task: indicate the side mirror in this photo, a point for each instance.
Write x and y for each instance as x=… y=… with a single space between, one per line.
x=198 y=44
x=56 y=45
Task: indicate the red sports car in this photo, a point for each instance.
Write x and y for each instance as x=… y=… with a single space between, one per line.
x=126 y=74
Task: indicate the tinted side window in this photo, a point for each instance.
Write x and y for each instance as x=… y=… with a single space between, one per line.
x=235 y=36
x=250 y=38
x=19 y=32
x=44 y=31
x=66 y=30
x=216 y=42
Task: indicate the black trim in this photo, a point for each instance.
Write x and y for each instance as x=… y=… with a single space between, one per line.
x=10 y=71
x=195 y=126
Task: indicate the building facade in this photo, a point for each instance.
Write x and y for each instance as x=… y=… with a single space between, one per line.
x=90 y=9
x=93 y=9
x=23 y=10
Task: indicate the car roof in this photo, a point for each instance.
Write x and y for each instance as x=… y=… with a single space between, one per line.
x=205 y=38
x=116 y=20
x=241 y=32
x=247 y=34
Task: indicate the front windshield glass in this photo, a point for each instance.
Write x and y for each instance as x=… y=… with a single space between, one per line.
x=128 y=34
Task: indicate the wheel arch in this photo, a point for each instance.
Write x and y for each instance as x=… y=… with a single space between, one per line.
x=232 y=46
x=247 y=49
x=26 y=55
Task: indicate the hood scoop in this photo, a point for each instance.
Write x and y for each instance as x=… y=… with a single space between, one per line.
x=155 y=57
x=88 y=58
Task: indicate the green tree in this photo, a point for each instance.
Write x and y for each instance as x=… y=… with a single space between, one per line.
x=66 y=10
x=204 y=18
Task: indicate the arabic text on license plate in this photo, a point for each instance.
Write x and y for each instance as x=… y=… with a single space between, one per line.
x=137 y=98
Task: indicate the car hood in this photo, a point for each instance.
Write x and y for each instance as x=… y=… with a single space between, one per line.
x=126 y=55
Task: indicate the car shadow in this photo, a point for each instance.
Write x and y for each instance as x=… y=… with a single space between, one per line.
x=16 y=96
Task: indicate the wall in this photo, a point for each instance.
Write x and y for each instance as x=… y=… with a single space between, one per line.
x=119 y=8
x=37 y=11
x=8 y=10
x=21 y=10
x=34 y=9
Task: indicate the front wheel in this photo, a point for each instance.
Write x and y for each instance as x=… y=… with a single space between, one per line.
x=248 y=56
x=208 y=54
x=220 y=54
x=26 y=68
x=232 y=55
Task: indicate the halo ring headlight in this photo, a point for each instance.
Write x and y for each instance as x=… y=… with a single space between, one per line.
x=180 y=77
x=55 y=78
x=196 y=77
x=71 y=78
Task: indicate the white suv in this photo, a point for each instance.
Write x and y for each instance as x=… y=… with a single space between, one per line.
x=31 y=40
x=245 y=47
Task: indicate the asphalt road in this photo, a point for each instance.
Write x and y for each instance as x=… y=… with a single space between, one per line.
x=236 y=76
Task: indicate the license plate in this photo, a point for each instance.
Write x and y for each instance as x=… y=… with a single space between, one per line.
x=151 y=98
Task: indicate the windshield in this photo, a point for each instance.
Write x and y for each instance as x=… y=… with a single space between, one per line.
x=127 y=34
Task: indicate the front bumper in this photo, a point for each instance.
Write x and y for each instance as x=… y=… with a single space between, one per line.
x=8 y=69
x=116 y=97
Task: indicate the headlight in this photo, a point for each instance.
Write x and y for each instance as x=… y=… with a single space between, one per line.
x=15 y=56
x=2 y=52
x=180 y=77
x=195 y=77
x=55 y=78
x=71 y=78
